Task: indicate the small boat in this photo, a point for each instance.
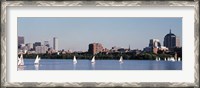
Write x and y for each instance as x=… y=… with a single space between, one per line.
x=157 y=59
x=93 y=59
x=165 y=59
x=179 y=59
x=74 y=60
x=121 y=59
x=25 y=51
x=20 y=61
x=172 y=59
x=37 y=60
x=168 y=59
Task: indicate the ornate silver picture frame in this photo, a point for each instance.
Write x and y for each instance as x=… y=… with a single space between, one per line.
x=4 y=39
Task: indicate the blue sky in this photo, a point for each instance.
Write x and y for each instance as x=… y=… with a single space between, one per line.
x=76 y=33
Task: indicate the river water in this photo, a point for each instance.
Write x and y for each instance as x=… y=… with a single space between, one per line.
x=67 y=64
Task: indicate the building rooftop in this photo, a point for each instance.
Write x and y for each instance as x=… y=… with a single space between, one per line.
x=170 y=34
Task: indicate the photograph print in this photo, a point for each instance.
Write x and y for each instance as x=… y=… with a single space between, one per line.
x=99 y=43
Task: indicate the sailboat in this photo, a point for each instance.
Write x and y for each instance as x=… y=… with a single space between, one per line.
x=159 y=59
x=37 y=60
x=20 y=61
x=93 y=59
x=172 y=59
x=74 y=60
x=165 y=59
x=156 y=58
x=179 y=59
x=121 y=59
x=25 y=51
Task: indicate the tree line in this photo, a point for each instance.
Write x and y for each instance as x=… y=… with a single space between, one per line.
x=103 y=56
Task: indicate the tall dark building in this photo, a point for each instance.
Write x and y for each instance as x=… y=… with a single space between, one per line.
x=20 y=40
x=95 y=48
x=55 y=43
x=170 y=40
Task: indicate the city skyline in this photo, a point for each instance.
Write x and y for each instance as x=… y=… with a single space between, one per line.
x=76 y=33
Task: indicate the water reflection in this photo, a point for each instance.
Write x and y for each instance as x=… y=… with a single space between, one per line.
x=120 y=66
x=19 y=68
x=155 y=65
x=58 y=64
x=93 y=66
x=74 y=66
x=36 y=66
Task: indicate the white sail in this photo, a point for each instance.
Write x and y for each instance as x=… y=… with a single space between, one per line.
x=179 y=59
x=25 y=51
x=93 y=59
x=74 y=60
x=156 y=58
x=165 y=59
x=20 y=61
x=121 y=59
x=172 y=59
x=18 y=58
x=37 y=60
x=159 y=59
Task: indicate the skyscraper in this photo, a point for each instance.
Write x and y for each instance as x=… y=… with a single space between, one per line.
x=178 y=44
x=170 y=40
x=95 y=48
x=55 y=43
x=20 y=40
x=155 y=43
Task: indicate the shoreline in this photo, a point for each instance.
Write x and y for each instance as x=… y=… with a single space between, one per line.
x=102 y=56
